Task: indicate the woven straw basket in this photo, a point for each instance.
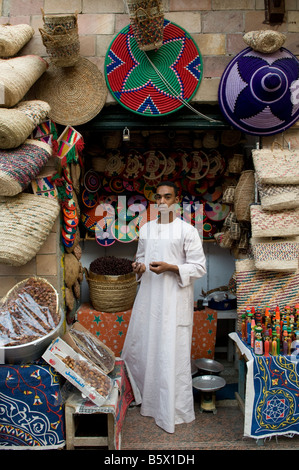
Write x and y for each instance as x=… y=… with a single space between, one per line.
x=278 y=196
x=16 y=124
x=281 y=254
x=17 y=75
x=25 y=223
x=235 y=163
x=61 y=39
x=18 y=167
x=111 y=293
x=244 y=195
x=13 y=38
x=274 y=223
x=147 y=20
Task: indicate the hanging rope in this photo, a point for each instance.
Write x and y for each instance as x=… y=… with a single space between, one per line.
x=174 y=93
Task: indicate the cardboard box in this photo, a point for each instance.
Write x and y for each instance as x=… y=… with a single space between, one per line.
x=59 y=350
x=92 y=349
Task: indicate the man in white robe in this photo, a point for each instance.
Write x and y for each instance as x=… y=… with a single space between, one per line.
x=157 y=349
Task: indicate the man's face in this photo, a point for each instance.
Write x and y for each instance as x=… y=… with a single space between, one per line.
x=165 y=197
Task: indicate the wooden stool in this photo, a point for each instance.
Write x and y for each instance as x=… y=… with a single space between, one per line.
x=72 y=421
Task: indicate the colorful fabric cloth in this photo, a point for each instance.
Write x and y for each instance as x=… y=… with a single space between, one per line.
x=272 y=394
x=204 y=334
x=110 y=328
x=31 y=410
x=117 y=403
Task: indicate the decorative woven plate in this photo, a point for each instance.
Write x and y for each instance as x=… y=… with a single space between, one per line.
x=115 y=164
x=89 y=199
x=200 y=165
x=134 y=166
x=154 y=82
x=258 y=92
x=117 y=185
x=173 y=167
x=92 y=181
x=103 y=233
x=213 y=193
x=216 y=211
x=197 y=188
x=154 y=164
x=216 y=164
x=137 y=204
x=138 y=186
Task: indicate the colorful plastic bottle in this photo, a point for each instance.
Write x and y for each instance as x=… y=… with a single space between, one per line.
x=258 y=343
x=252 y=333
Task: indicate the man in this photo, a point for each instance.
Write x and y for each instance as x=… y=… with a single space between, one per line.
x=157 y=349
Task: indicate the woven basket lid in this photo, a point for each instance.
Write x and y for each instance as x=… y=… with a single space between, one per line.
x=154 y=82
x=76 y=94
x=258 y=92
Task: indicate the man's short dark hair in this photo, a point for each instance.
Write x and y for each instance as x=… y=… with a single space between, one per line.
x=170 y=184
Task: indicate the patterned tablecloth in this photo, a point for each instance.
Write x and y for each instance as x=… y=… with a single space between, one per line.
x=31 y=408
x=272 y=393
x=111 y=329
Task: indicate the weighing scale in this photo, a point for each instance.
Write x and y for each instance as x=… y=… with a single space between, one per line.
x=208 y=382
x=209 y=365
x=208 y=385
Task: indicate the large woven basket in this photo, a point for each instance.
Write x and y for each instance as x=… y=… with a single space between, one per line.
x=244 y=196
x=284 y=223
x=16 y=124
x=281 y=254
x=25 y=223
x=147 y=20
x=17 y=75
x=61 y=39
x=111 y=293
x=18 y=167
x=278 y=196
x=13 y=38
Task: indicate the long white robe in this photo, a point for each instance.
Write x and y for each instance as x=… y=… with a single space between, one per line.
x=157 y=349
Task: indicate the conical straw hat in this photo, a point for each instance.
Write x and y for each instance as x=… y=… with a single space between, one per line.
x=17 y=75
x=75 y=94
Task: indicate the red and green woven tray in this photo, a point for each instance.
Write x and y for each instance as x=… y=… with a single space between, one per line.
x=155 y=82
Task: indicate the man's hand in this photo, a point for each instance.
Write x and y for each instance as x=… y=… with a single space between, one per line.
x=138 y=268
x=160 y=267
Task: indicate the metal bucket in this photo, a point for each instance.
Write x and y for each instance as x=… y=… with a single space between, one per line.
x=30 y=352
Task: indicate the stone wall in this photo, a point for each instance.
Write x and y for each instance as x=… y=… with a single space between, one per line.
x=217 y=26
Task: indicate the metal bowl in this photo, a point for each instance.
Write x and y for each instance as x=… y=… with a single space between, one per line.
x=29 y=352
x=209 y=365
x=208 y=383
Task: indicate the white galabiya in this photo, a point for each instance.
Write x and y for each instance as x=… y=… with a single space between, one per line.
x=157 y=349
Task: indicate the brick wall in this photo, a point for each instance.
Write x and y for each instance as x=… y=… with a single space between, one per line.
x=217 y=26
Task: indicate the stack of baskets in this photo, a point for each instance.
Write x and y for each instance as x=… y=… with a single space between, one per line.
x=275 y=221
x=61 y=39
x=147 y=20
